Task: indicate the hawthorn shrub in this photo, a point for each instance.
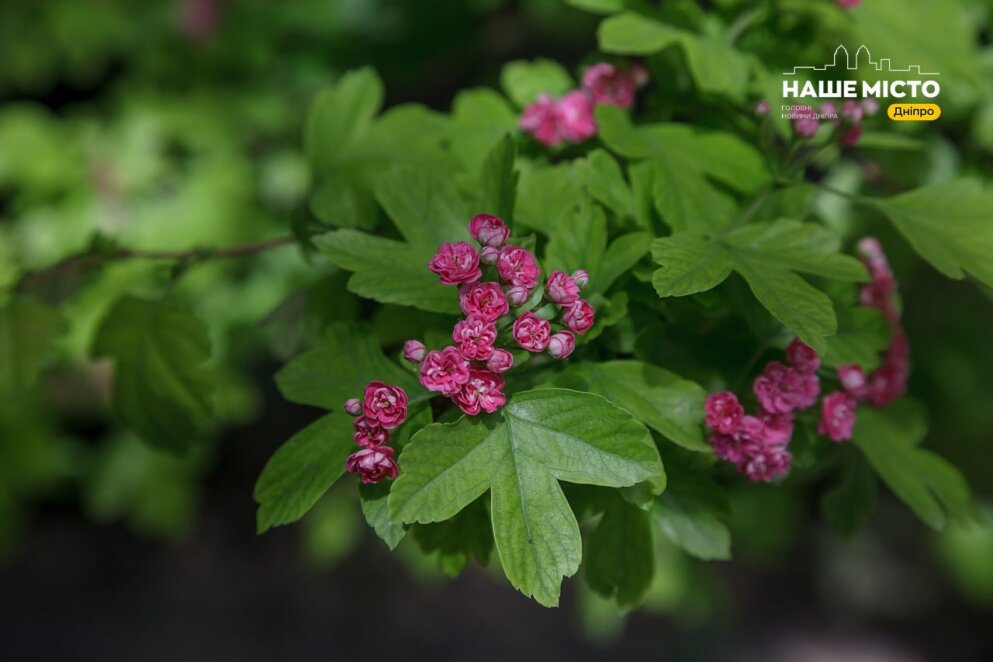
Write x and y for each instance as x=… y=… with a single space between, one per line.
x=572 y=314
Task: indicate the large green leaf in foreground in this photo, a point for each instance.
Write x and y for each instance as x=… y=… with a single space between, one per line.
x=520 y=455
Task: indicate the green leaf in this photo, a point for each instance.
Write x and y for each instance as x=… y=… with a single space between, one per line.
x=692 y=525
x=341 y=116
x=523 y=81
x=347 y=360
x=862 y=335
x=597 y=6
x=376 y=509
x=686 y=199
x=388 y=271
x=658 y=398
x=161 y=389
x=27 y=330
x=766 y=255
x=622 y=254
x=302 y=470
x=538 y=439
x=850 y=501
x=620 y=555
x=410 y=196
x=480 y=119
x=950 y=225
x=498 y=180
x=457 y=540
x=602 y=177
x=633 y=34
x=547 y=197
x=578 y=243
x=932 y=487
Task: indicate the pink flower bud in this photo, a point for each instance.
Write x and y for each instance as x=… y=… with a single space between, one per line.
x=829 y=109
x=373 y=464
x=489 y=254
x=353 y=407
x=851 y=137
x=531 y=332
x=802 y=357
x=805 y=127
x=575 y=116
x=444 y=372
x=518 y=267
x=853 y=380
x=561 y=344
x=500 y=361
x=561 y=289
x=489 y=230
x=385 y=404
x=369 y=433
x=474 y=336
x=517 y=296
x=837 y=416
x=486 y=300
x=541 y=120
x=724 y=412
x=483 y=392
x=781 y=389
x=578 y=316
x=456 y=263
x=610 y=85
x=581 y=278
x=762 y=108
x=870 y=107
x=413 y=351
x=852 y=111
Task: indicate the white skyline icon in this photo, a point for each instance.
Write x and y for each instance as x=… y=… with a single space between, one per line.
x=885 y=64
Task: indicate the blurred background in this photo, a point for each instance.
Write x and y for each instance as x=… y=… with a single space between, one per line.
x=170 y=124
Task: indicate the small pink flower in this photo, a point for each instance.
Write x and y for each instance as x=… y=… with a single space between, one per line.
x=575 y=116
x=456 y=263
x=778 y=427
x=848 y=4
x=518 y=267
x=531 y=332
x=724 y=412
x=385 y=404
x=483 y=392
x=517 y=296
x=802 y=357
x=474 y=337
x=369 y=433
x=766 y=463
x=852 y=111
x=500 y=361
x=731 y=447
x=580 y=277
x=485 y=300
x=489 y=230
x=579 y=316
x=805 y=127
x=353 y=407
x=853 y=380
x=610 y=85
x=837 y=416
x=444 y=372
x=762 y=108
x=413 y=351
x=852 y=136
x=870 y=107
x=560 y=288
x=561 y=344
x=541 y=120
x=887 y=384
x=489 y=255
x=373 y=464
x=780 y=389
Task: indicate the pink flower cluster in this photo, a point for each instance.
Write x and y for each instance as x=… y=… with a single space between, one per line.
x=889 y=381
x=570 y=119
x=847 y=119
x=468 y=371
x=756 y=445
x=848 y=4
x=383 y=407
